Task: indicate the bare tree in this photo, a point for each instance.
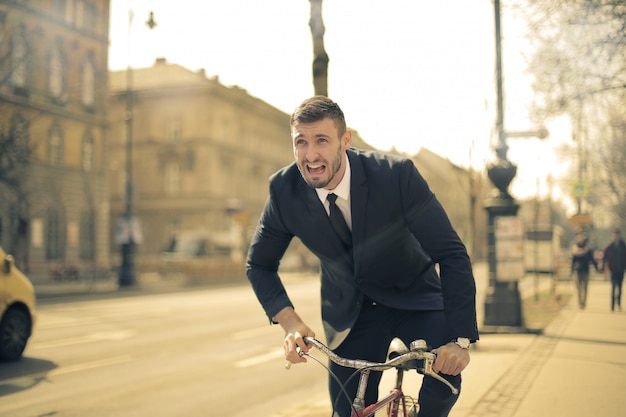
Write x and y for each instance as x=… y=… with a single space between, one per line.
x=580 y=71
x=15 y=160
x=320 y=57
x=16 y=150
x=15 y=156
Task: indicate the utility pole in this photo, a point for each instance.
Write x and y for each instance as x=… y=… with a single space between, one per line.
x=128 y=236
x=503 y=306
x=320 y=57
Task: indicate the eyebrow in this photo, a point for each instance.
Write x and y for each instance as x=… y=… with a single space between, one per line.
x=317 y=135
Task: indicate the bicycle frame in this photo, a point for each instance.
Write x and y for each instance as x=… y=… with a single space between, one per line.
x=394 y=401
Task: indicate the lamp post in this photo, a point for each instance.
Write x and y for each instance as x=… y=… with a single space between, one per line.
x=129 y=232
x=503 y=307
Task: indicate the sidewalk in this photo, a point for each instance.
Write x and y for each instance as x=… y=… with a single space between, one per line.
x=146 y=283
x=575 y=368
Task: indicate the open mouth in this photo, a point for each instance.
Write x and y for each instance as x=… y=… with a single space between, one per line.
x=315 y=169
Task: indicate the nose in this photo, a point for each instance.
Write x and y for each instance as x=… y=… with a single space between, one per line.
x=311 y=154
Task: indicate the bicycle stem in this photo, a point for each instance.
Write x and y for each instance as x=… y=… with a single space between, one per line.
x=359 y=399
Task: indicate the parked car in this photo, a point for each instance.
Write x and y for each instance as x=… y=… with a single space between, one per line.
x=17 y=309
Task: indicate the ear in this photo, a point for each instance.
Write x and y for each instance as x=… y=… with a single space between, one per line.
x=346 y=139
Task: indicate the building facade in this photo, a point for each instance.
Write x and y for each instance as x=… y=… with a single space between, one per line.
x=54 y=208
x=201 y=154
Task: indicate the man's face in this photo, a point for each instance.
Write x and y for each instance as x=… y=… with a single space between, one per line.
x=320 y=152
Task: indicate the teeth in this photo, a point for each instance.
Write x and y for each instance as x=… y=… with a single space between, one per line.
x=315 y=166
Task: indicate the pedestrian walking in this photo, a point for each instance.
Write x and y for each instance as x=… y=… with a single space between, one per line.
x=379 y=233
x=615 y=260
x=582 y=259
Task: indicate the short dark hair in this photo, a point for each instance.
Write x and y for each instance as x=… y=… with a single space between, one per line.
x=317 y=108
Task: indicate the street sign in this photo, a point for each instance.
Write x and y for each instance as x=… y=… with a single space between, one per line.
x=580 y=189
x=509 y=234
x=127 y=230
x=580 y=219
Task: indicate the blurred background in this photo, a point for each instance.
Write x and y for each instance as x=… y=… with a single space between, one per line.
x=137 y=136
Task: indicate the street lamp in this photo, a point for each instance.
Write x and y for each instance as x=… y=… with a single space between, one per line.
x=130 y=234
x=503 y=307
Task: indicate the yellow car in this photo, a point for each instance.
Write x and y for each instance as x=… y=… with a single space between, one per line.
x=17 y=309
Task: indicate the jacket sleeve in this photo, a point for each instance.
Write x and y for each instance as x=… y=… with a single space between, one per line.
x=269 y=243
x=429 y=223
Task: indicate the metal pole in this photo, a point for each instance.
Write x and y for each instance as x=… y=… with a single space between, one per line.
x=127 y=276
x=502 y=147
x=502 y=299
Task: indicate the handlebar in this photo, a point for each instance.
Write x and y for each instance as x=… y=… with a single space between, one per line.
x=405 y=359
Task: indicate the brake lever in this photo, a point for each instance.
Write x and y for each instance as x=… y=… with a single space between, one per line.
x=300 y=353
x=428 y=370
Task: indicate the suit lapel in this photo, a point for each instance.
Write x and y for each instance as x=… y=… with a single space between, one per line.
x=313 y=203
x=318 y=214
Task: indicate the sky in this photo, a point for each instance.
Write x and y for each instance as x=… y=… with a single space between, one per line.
x=407 y=73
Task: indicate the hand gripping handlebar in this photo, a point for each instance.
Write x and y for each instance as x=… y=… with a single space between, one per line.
x=400 y=357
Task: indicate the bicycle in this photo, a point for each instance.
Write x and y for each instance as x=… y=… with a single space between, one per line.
x=401 y=358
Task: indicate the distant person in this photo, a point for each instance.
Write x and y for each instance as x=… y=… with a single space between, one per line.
x=615 y=260
x=379 y=233
x=582 y=259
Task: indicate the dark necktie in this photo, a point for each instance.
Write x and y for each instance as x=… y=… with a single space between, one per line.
x=339 y=222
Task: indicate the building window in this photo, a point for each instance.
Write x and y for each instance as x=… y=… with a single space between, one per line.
x=90 y=17
x=56 y=71
x=173 y=130
x=88 y=82
x=172 y=179
x=190 y=160
x=55 y=146
x=227 y=168
x=80 y=14
x=36 y=233
x=54 y=237
x=87 y=152
x=58 y=6
x=20 y=133
x=69 y=11
x=87 y=235
x=20 y=59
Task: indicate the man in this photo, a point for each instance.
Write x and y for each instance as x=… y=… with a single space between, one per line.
x=582 y=258
x=615 y=259
x=379 y=281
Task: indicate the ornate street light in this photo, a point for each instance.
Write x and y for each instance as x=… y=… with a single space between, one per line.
x=129 y=234
x=503 y=307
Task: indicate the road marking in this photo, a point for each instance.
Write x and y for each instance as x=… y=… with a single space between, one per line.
x=93 y=337
x=256 y=360
x=247 y=334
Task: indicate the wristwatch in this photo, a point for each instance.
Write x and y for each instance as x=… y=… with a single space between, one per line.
x=463 y=342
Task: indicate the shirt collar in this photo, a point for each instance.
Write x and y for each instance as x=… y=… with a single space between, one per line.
x=342 y=189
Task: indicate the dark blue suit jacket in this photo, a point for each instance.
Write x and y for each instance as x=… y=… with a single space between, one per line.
x=399 y=232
